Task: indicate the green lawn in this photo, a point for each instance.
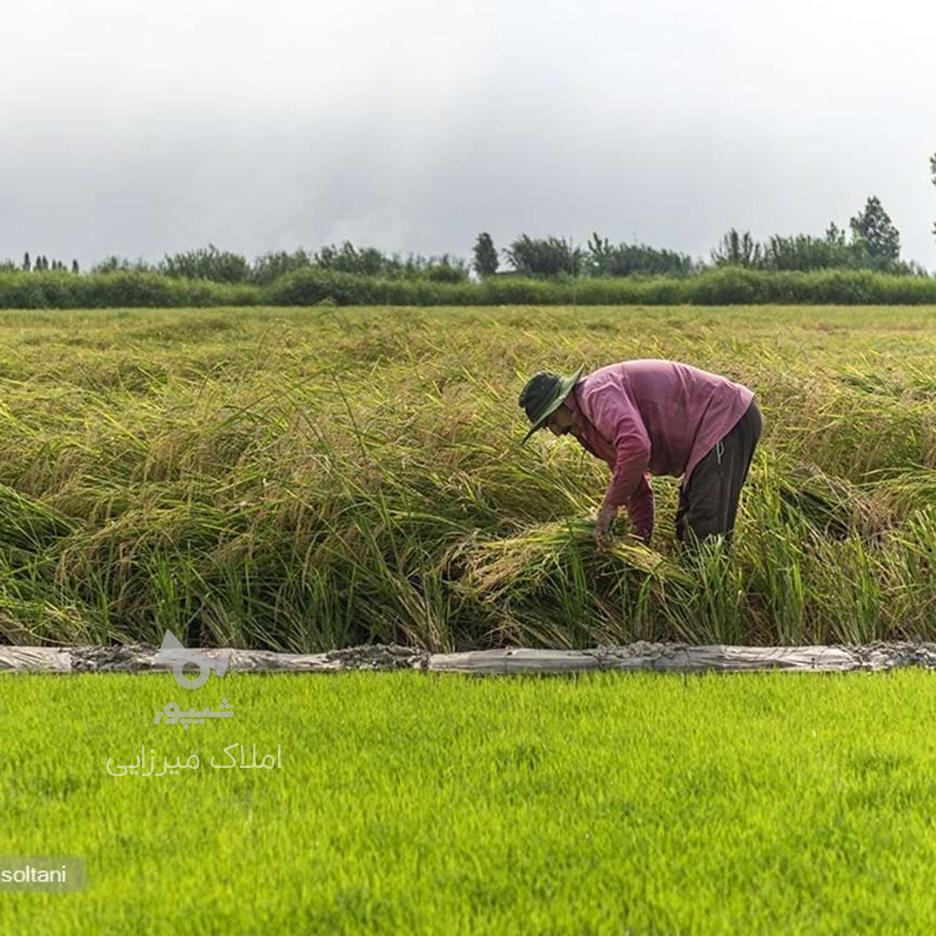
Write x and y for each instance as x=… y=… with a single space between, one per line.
x=445 y=804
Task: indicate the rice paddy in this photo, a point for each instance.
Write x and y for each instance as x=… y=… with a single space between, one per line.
x=303 y=479
x=609 y=803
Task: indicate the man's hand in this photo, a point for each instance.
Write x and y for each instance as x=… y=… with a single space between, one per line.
x=605 y=518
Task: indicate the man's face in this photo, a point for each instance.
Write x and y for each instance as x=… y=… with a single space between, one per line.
x=560 y=422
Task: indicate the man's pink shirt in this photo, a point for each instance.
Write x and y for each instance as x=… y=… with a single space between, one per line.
x=651 y=417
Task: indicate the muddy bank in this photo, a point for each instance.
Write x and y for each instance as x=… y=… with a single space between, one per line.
x=662 y=657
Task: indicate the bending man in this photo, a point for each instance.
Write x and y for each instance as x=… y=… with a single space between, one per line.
x=651 y=417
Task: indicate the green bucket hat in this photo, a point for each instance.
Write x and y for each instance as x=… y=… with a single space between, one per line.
x=543 y=394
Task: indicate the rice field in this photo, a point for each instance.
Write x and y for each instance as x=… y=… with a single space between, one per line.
x=303 y=479
x=406 y=803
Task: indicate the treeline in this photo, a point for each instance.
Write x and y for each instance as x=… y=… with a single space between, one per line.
x=543 y=270
x=305 y=287
x=39 y=265
x=223 y=266
x=872 y=243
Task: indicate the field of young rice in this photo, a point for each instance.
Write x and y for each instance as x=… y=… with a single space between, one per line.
x=301 y=479
x=407 y=803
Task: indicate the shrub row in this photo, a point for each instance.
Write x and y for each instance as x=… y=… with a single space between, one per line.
x=724 y=286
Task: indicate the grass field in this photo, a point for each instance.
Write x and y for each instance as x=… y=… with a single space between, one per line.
x=609 y=803
x=309 y=478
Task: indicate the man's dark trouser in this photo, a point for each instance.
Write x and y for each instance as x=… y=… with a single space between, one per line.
x=708 y=504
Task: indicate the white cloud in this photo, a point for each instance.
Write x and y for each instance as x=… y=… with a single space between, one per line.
x=413 y=125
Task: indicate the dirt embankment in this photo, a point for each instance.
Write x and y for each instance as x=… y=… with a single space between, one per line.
x=661 y=657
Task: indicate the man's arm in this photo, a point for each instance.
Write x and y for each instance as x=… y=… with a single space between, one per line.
x=640 y=510
x=618 y=420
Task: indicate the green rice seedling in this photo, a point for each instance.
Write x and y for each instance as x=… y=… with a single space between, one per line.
x=710 y=609
x=908 y=573
x=777 y=595
x=847 y=589
x=784 y=588
x=754 y=803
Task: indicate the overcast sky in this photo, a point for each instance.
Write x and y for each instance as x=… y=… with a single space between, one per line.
x=411 y=125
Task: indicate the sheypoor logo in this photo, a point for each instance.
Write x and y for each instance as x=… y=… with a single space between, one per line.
x=173 y=654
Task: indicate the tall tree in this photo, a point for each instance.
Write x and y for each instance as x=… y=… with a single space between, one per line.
x=606 y=259
x=550 y=256
x=737 y=249
x=27 y=266
x=221 y=266
x=874 y=232
x=835 y=235
x=485 y=255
